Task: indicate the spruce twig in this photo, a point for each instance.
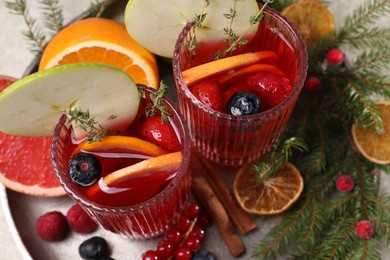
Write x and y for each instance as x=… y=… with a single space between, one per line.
x=53 y=15
x=33 y=33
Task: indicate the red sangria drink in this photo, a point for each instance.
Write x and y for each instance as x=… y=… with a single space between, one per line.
x=134 y=182
x=237 y=104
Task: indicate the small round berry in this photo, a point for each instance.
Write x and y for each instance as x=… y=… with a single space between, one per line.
x=193 y=243
x=84 y=169
x=174 y=235
x=183 y=253
x=335 y=57
x=203 y=254
x=364 y=229
x=345 y=183
x=192 y=210
x=243 y=103
x=165 y=249
x=79 y=221
x=52 y=226
x=183 y=224
x=150 y=255
x=313 y=84
x=198 y=232
x=94 y=248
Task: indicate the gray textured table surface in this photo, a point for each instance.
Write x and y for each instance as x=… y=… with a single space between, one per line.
x=15 y=57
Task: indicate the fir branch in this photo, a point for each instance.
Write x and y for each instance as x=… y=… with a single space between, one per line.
x=373 y=61
x=33 y=34
x=363 y=16
x=268 y=166
x=52 y=13
x=369 y=38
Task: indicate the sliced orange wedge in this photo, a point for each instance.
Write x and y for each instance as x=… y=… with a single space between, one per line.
x=272 y=196
x=150 y=172
x=234 y=74
x=200 y=72
x=121 y=143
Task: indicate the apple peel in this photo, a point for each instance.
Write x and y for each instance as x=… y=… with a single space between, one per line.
x=200 y=72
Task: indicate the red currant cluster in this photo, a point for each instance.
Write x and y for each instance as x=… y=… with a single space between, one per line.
x=183 y=239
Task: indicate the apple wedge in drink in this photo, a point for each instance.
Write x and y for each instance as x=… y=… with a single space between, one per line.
x=156 y=27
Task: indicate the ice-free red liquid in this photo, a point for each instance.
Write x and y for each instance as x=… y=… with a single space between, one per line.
x=140 y=209
x=232 y=140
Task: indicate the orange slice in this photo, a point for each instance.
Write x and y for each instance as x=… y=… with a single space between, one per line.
x=104 y=41
x=312 y=19
x=200 y=72
x=147 y=171
x=273 y=196
x=121 y=143
x=375 y=146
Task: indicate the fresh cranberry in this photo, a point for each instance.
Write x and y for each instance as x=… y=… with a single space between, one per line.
x=313 y=84
x=335 y=57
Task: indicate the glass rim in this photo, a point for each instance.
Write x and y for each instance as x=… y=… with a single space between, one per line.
x=181 y=172
x=303 y=56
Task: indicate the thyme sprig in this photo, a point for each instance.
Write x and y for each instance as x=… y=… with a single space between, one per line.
x=82 y=120
x=156 y=104
x=234 y=40
x=198 y=19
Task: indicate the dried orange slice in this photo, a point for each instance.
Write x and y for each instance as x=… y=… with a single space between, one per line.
x=104 y=41
x=121 y=143
x=273 y=196
x=375 y=146
x=312 y=19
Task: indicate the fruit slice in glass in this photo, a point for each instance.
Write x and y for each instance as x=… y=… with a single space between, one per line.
x=141 y=220
x=236 y=140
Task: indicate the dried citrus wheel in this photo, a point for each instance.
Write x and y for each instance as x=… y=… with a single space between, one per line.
x=273 y=196
x=312 y=19
x=121 y=143
x=104 y=41
x=375 y=146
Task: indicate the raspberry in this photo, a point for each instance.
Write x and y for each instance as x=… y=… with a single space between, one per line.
x=345 y=183
x=364 y=229
x=52 y=226
x=79 y=221
x=335 y=57
x=313 y=84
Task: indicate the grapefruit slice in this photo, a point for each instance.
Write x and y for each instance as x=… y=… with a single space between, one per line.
x=25 y=162
x=33 y=105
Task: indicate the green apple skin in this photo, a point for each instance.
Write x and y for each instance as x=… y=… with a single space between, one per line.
x=33 y=105
x=156 y=25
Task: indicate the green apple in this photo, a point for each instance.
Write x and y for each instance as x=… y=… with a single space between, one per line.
x=33 y=105
x=156 y=25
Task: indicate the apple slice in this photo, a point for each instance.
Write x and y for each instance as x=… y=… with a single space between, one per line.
x=33 y=105
x=156 y=25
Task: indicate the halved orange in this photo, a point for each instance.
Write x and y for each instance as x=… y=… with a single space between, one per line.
x=121 y=143
x=104 y=41
x=375 y=146
x=312 y=19
x=272 y=196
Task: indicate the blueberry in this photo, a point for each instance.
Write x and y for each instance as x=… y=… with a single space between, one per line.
x=94 y=248
x=84 y=169
x=243 y=103
x=203 y=254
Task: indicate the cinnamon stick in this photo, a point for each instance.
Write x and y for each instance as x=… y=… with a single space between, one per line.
x=241 y=218
x=204 y=192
